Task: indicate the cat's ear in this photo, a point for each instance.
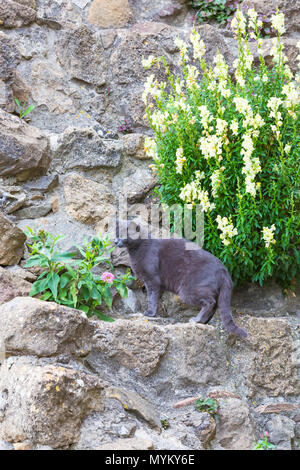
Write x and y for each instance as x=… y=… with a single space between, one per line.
x=134 y=229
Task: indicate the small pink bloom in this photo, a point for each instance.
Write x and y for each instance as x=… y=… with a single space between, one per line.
x=107 y=277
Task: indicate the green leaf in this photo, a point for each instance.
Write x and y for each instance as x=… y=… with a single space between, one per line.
x=28 y=110
x=47 y=296
x=64 y=280
x=35 y=260
x=63 y=256
x=101 y=316
x=107 y=295
x=84 y=308
x=38 y=287
x=74 y=292
x=95 y=294
x=53 y=281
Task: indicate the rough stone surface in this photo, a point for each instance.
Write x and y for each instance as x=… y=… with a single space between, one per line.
x=134 y=146
x=81 y=53
x=132 y=443
x=45 y=403
x=194 y=357
x=273 y=368
x=282 y=431
x=168 y=11
x=87 y=201
x=9 y=60
x=6 y=446
x=12 y=241
x=115 y=13
x=141 y=348
x=14 y=15
x=12 y=285
x=276 y=408
x=32 y=42
x=43 y=184
x=28 y=3
x=12 y=198
x=204 y=426
x=233 y=416
x=83 y=148
x=50 y=90
x=58 y=14
x=34 y=211
x=133 y=402
x=267 y=301
x=79 y=63
x=34 y=327
x=134 y=182
x=112 y=423
x=24 y=149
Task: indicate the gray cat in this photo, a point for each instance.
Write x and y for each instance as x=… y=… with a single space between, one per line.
x=195 y=275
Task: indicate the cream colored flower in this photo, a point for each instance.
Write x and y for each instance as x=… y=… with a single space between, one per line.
x=192 y=74
x=268 y=235
x=198 y=45
x=292 y=95
x=180 y=160
x=147 y=63
x=220 y=70
x=150 y=148
x=211 y=146
x=252 y=14
x=287 y=149
x=238 y=24
x=206 y=116
x=242 y=105
x=221 y=127
x=277 y=21
x=274 y=103
x=227 y=229
x=234 y=127
x=183 y=47
x=216 y=179
x=149 y=84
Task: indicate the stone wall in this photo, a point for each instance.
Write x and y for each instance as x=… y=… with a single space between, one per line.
x=68 y=382
x=62 y=169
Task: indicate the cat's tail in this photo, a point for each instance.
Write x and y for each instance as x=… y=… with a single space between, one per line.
x=224 y=305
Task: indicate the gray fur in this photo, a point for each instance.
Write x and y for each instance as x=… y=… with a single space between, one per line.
x=196 y=276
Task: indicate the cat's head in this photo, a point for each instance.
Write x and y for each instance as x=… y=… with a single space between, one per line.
x=129 y=233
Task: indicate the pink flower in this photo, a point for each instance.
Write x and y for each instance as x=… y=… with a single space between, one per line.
x=107 y=277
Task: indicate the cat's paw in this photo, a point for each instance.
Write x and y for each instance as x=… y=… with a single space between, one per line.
x=193 y=320
x=148 y=313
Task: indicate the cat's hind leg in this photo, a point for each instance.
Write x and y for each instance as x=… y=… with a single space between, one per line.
x=206 y=313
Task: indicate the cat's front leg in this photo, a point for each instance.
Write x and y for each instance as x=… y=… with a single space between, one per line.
x=153 y=293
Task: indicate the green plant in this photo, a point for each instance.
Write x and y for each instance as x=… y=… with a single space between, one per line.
x=22 y=109
x=208 y=405
x=263 y=443
x=220 y=10
x=70 y=281
x=165 y=424
x=231 y=145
